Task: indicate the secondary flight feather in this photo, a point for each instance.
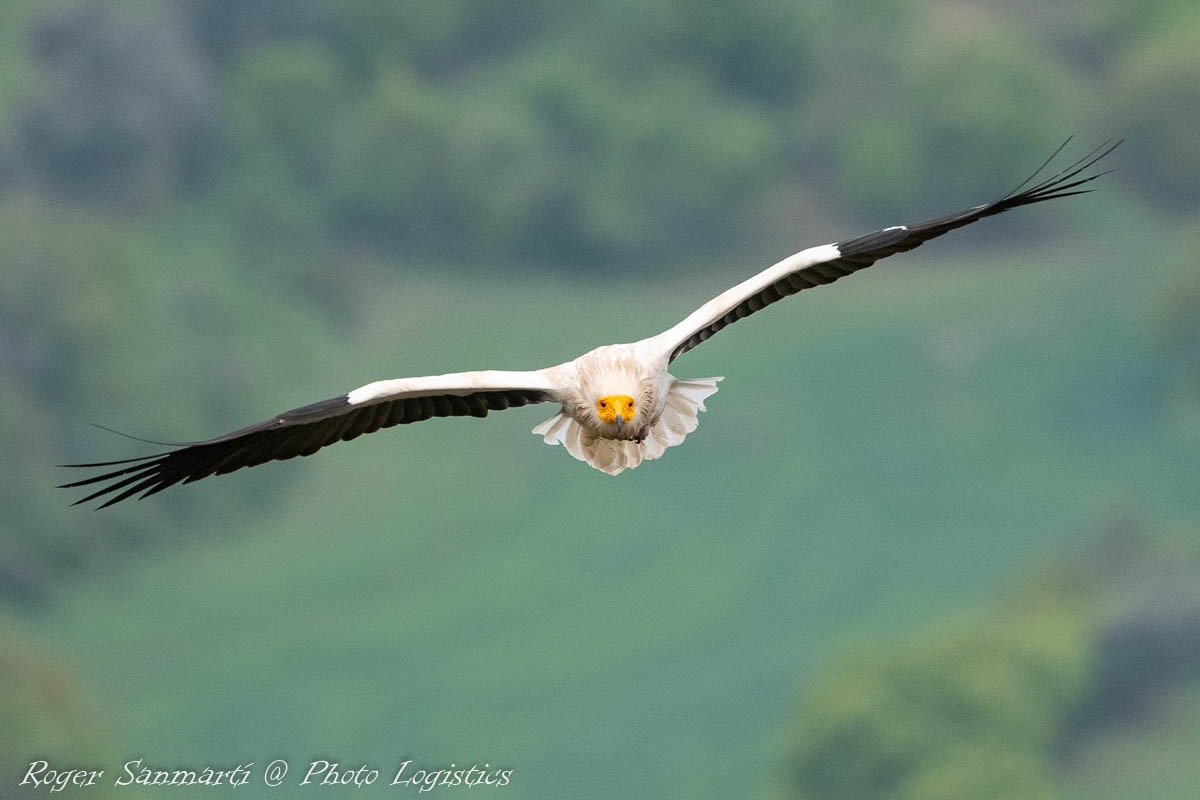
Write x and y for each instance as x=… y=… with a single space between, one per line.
x=618 y=404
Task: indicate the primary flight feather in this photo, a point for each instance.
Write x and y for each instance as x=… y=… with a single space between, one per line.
x=619 y=405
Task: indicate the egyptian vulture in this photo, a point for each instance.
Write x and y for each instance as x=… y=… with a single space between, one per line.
x=618 y=404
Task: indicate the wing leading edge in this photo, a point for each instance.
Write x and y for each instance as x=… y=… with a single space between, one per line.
x=303 y=431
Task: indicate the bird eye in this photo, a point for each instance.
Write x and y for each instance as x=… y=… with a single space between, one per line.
x=603 y=404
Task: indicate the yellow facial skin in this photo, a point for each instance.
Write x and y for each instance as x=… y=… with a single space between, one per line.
x=616 y=408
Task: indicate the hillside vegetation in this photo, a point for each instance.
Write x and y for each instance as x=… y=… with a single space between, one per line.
x=196 y=189
x=215 y=210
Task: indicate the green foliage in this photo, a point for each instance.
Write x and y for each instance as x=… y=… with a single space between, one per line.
x=78 y=283
x=43 y=714
x=960 y=92
x=120 y=110
x=76 y=268
x=957 y=712
x=1013 y=703
x=967 y=772
x=619 y=133
x=1156 y=102
x=751 y=51
x=1117 y=27
x=284 y=102
x=444 y=41
x=395 y=167
x=656 y=148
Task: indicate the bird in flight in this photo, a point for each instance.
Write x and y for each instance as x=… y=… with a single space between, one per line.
x=618 y=404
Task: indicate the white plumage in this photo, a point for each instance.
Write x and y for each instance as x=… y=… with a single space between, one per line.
x=618 y=404
x=665 y=408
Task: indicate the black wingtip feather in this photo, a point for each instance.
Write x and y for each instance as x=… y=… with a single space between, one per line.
x=1059 y=184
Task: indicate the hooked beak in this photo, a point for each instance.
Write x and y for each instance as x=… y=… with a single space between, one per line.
x=615 y=409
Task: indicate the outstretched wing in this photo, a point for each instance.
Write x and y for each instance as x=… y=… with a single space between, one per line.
x=304 y=431
x=826 y=263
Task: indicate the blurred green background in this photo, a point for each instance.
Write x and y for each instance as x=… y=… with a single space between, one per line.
x=935 y=538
